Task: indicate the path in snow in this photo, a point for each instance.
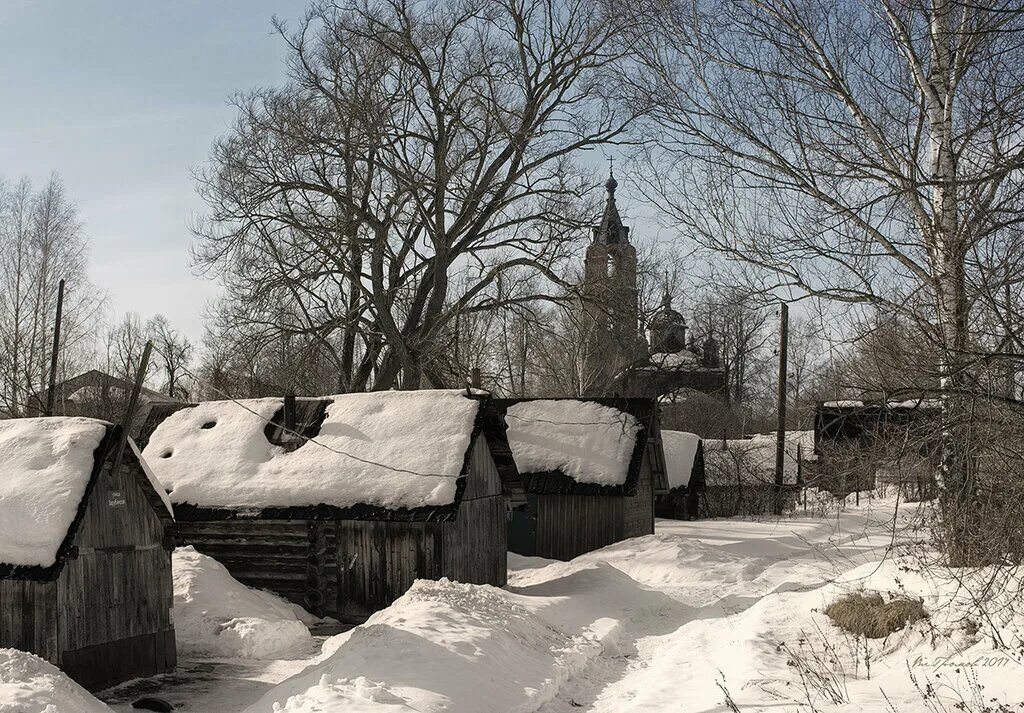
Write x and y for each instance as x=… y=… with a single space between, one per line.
x=207 y=685
x=717 y=570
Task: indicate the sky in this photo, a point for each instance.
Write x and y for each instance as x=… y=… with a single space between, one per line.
x=123 y=100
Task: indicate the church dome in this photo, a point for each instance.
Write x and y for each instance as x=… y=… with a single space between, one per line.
x=667 y=329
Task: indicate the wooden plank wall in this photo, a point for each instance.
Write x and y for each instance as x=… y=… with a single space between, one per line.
x=378 y=561
x=569 y=525
x=638 y=510
x=114 y=599
x=28 y=617
x=476 y=544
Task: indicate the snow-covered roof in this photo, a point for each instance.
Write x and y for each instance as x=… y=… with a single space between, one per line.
x=587 y=441
x=680 y=452
x=843 y=404
x=392 y=449
x=45 y=466
x=753 y=459
x=674 y=360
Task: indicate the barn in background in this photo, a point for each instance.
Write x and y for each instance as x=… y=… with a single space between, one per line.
x=96 y=394
x=85 y=552
x=590 y=469
x=340 y=503
x=684 y=468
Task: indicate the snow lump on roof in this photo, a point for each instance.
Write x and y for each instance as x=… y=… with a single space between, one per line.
x=45 y=466
x=393 y=449
x=586 y=441
x=680 y=450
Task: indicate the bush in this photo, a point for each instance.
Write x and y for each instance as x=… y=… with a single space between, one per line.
x=869 y=615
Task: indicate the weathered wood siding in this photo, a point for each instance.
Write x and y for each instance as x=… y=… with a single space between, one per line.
x=267 y=554
x=28 y=617
x=357 y=567
x=378 y=562
x=569 y=525
x=475 y=546
x=114 y=599
x=638 y=510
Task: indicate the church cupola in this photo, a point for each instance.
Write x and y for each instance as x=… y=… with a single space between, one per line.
x=610 y=230
x=667 y=329
x=710 y=353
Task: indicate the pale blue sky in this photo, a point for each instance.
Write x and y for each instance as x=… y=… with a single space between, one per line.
x=123 y=99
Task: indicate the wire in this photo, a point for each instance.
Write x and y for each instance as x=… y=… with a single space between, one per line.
x=309 y=439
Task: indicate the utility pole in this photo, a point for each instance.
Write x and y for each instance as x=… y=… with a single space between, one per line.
x=780 y=436
x=51 y=394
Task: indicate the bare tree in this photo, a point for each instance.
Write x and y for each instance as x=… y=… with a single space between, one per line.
x=41 y=243
x=862 y=152
x=125 y=342
x=417 y=146
x=173 y=353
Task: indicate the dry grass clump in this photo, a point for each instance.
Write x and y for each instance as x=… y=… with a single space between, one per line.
x=869 y=615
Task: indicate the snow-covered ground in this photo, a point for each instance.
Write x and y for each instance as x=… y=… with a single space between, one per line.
x=683 y=620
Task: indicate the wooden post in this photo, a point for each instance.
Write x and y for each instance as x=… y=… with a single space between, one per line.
x=476 y=378
x=289 y=412
x=51 y=394
x=133 y=405
x=800 y=473
x=780 y=436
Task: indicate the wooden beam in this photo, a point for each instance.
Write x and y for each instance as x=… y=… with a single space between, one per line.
x=133 y=405
x=51 y=395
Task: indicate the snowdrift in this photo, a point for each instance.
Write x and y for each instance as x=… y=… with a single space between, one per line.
x=28 y=684
x=217 y=616
x=461 y=648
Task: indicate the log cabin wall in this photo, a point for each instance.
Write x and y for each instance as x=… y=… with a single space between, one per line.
x=353 y=568
x=114 y=599
x=269 y=554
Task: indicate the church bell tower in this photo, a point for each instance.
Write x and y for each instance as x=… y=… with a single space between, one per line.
x=609 y=292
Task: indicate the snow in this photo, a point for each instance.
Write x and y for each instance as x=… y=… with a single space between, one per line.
x=916 y=403
x=753 y=459
x=28 y=684
x=462 y=648
x=586 y=441
x=843 y=404
x=666 y=622
x=47 y=463
x=157 y=486
x=680 y=450
x=393 y=449
x=215 y=615
x=674 y=360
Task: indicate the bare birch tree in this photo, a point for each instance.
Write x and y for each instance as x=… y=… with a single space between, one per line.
x=41 y=243
x=866 y=152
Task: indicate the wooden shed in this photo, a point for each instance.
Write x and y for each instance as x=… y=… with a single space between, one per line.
x=590 y=469
x=85 y=552
x=684 y=469
x=340 y=503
